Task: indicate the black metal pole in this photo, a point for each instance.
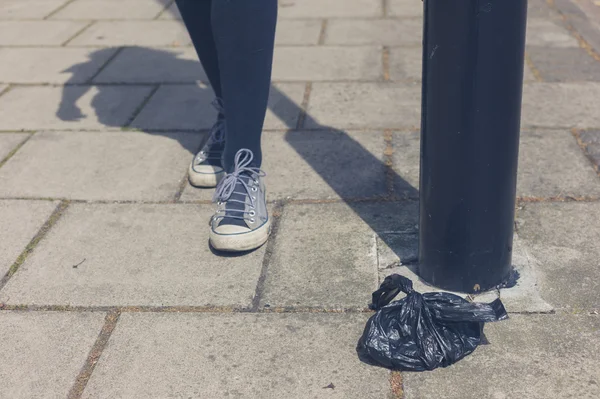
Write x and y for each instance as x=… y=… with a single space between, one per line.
x=473 y=59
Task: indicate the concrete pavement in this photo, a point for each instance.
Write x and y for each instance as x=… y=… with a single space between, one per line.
x=109 y=289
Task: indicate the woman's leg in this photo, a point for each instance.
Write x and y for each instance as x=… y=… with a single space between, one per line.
x=196 y=15
x=206 y=169
x=244 y=33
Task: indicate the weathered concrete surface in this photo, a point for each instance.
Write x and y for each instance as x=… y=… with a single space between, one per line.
x=43 y=352
x=222 y=356
x=529 y=356
x=133 y=255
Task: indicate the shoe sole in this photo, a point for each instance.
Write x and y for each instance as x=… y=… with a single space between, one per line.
x=241 y=242
x=205 y=180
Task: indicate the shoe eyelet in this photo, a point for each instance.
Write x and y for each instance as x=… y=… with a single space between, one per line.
x=252 y=213
x=254 y=189
x=254 y=198
x=255 y=181
x=252 y=220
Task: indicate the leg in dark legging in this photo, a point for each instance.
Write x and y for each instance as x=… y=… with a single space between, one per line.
x=196 y=15
x=244 y=33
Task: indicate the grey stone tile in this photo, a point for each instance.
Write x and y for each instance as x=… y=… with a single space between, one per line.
x=28 y=9
x=44 y=351
x=153 y=65
x=99 y=166
x=406 y=63
x=564 y=240
x=528 y=75
x=135 y=255
x=263 y=356
x=405 y=8
x=298 y=32
x=171 y=13
x=21 y=220
x=326 y=255
x=364 y=105
x=561 y=105
x=9 y=141
x=591 y=140
x=547 y=33
x=406 y=161
x=38 y=33
x=330 y=8
x=110 y=9
x=557 y=64
x=318 y=165
x=188 y=107
x=70 y=107
x=327 y=63
x=552 y=164
x=134 y=33
x=388 y=32
x=530 y=356
x=538 y=9
x=51 y=65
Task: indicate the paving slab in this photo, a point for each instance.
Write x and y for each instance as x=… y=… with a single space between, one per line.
x=563 y=239
x=38 y=33
x=406 y=160
x=551 y=164
x=330 y=8
x=20 y=222
x=10 y=141
x=51 y=65
x=530 y=356
x=28 y=9
x=538 y=9
x=591 y=141
x=135 y=255
x=548 y=33
x=111 y=9
x=576 y=108
x=70 y=107
x=558 y=64
x=364 y=105
x=172 y=12
x=405 y=8
x=298 y=32
x=99 y=166
x=153 y=65
x=188 y=107
x=43 y=352
x=134 y=33
x=326 y=256
x=406 y=63
x=327 y=63
x=319 y=165
x=387 y=32
x=260 y=356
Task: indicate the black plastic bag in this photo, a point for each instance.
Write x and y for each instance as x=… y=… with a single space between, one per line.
x=422 y=331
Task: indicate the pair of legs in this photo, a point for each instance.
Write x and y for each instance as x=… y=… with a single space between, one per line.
x=234 y=40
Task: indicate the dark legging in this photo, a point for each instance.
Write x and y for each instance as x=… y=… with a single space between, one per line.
x=234 y=40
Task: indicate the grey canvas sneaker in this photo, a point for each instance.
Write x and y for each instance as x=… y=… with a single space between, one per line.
x=206 y=169
x=241 y=222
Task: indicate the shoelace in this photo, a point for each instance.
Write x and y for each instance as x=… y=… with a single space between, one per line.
x=212 y=150
x=242 y=172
